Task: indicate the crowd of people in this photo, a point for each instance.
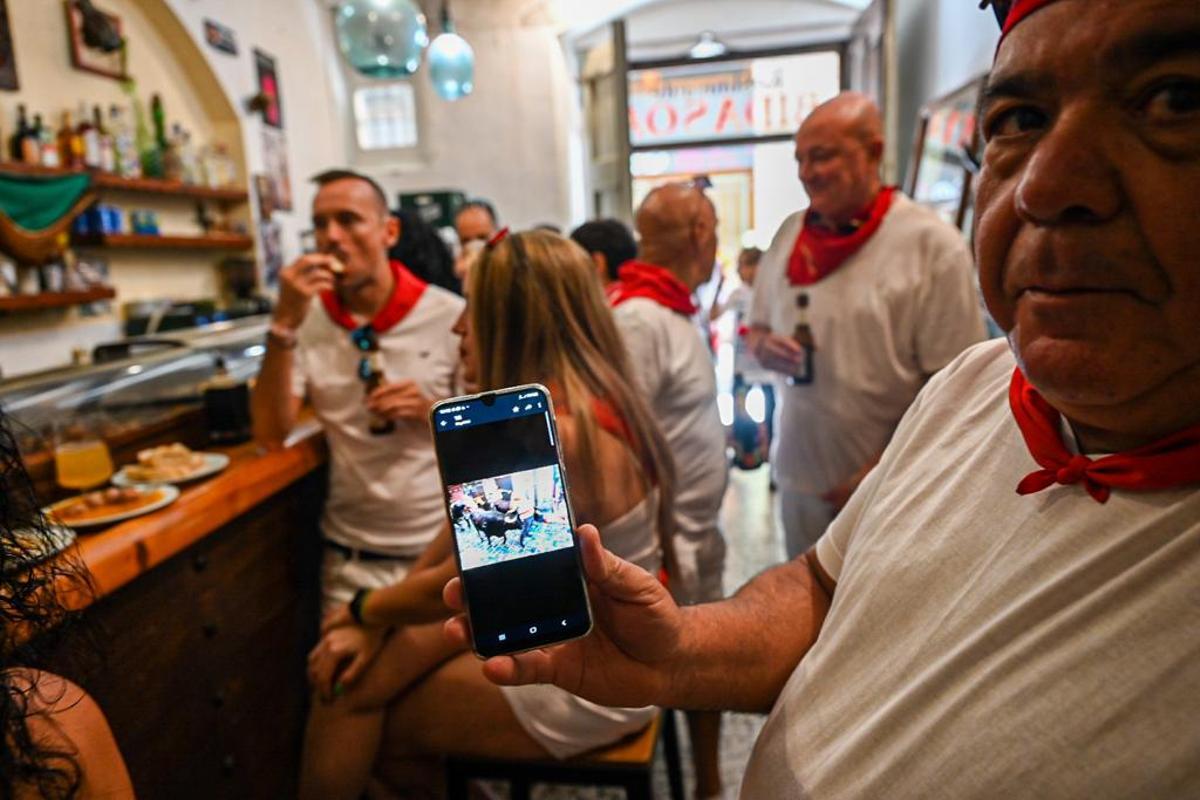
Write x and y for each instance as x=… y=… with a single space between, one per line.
x=992 y=545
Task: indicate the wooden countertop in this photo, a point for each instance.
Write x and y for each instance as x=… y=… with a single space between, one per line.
x=119 y=554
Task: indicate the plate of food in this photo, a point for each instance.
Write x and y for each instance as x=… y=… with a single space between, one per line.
x=170 y=463
x=106 y=506
x=38 y=545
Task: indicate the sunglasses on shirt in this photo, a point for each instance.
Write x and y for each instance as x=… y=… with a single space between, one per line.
x=366 y=342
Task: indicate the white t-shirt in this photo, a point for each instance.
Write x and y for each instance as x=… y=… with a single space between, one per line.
x=982 y=644
x=674 y=369
x=384 y=491
x=897 y=311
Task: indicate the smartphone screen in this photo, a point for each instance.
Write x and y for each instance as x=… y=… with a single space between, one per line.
x=513 y=530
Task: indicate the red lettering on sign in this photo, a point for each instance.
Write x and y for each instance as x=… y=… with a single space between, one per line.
x=635 y=125
x=697 y=112
x=724 y=114
x=672 y=120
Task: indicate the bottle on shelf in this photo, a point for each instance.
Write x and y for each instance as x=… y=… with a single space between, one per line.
x=49 y=149
x=187 y=158
x=16 y=142
x=89 y=137
x=172 y=156
x=70 y=144
x=148 y=153
x=105 y=141
x=128 y=162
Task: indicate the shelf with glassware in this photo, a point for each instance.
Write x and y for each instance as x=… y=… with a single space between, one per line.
x=35 y=302
x=157 y=241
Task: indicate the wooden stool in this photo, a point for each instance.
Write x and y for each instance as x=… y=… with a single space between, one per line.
x=628 y=764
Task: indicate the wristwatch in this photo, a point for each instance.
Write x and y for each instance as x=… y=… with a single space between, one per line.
x=281 y=335
x=356 y=605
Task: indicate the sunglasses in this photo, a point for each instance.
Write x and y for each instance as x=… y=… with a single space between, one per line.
x=366 y=342
x=999 y=7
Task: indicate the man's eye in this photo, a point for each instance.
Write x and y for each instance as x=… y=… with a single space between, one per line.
x=1170 y=100
x=1016 y=121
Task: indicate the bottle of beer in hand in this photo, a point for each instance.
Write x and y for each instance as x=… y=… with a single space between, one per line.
x=372 y=379
x=803 y=335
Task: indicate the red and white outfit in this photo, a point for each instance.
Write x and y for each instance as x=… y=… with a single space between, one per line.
x=384 y=493
x=900 y=306
x=672 y=365
x=984 y=643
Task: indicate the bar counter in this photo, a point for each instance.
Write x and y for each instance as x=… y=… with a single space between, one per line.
x=195 y=641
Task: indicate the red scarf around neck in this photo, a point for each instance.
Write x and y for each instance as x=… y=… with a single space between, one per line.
x=819 y=251
x=639 y=279
x=405 y=294
x=1169 y=463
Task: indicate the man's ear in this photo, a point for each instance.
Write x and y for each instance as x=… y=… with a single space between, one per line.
x=601 y=262
x=393 y=229
x=875 y=150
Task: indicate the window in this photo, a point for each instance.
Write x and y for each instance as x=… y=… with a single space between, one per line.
x=385 y=117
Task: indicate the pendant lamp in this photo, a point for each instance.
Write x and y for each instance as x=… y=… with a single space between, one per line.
x=451 y=61
x=381 y=38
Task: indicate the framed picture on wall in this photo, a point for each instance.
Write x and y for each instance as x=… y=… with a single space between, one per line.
x=945 y=153
x=91 y=59
x=268 y=89
x=8 y=59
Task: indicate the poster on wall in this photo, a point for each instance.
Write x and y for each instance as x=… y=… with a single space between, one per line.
x=8 y=60
x=275 y=166
x=92 y=59
x=220 y=37
x=268 y=88
x=941 y=167
x=271 y=239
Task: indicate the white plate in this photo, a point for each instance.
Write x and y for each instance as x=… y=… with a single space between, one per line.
x=39 y=547
x=169 y=494
x=213 y=463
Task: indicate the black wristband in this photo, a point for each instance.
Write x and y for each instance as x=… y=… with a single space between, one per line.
x=356 y=605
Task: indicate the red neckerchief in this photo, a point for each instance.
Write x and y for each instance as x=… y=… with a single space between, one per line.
x=405 y=294
x=1166 y=464
x=819 y=251
x=639 y=279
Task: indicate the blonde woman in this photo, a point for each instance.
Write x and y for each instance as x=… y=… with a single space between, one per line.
x=535 y=313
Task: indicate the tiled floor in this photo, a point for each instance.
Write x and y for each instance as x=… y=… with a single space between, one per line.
x=755 y=543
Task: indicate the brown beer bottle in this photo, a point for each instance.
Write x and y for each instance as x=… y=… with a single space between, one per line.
x=372 y=380
x=803 y=335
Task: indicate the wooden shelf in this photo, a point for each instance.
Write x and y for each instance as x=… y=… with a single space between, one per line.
x=137 y=241
x=32 y=302
x=105 y=180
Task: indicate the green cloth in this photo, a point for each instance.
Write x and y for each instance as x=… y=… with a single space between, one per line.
x=37 y=202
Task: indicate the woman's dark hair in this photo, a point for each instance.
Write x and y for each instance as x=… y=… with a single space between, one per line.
x=422 y=250
x=32 y=621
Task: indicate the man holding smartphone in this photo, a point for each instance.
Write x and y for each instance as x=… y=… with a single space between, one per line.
x=1007 y=607
x=372 y=347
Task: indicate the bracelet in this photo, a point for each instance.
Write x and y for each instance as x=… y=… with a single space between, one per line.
x=282 y=335
x=356 y=605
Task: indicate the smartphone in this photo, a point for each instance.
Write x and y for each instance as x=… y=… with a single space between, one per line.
x=511 y=520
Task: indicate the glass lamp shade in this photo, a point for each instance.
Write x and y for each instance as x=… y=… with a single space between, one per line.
x=451 y=66
x=381 y=38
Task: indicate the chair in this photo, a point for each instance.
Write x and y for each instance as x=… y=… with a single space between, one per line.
x=627 y=764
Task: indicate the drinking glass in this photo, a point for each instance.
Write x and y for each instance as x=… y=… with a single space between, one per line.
x=82 y=464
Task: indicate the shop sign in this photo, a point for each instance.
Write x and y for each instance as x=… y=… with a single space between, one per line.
x=734 y=100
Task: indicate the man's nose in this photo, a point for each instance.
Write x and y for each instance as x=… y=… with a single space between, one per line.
x=1070 y=176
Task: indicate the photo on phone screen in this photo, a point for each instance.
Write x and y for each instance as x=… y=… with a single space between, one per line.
x=513 y=530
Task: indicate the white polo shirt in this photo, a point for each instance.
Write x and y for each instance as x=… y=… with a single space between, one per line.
x=675 y=371
x=384 y=491
x=982 y=644
x=897 y=311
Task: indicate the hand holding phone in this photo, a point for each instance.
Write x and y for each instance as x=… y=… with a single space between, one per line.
x=511 y=519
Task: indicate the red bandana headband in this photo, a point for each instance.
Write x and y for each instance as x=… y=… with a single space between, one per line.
x=1018 y=11
x=1169 y=463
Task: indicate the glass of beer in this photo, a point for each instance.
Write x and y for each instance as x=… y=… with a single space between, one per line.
x=82 y=464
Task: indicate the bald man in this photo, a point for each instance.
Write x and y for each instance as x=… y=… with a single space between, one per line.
x=677 y=227
x=859 y=300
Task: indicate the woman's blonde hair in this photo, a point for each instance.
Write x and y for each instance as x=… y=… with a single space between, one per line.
x=538 y=314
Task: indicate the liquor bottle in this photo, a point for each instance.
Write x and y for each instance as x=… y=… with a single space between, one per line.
x=147 y=150
x=372 y=366
x=803 y=335
x=16 y=143
x=89 y=136
x=172 y=162
x=105 y=140
x=49 y=150
x=70 y=144
x=128 y=162
x=187 y=158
